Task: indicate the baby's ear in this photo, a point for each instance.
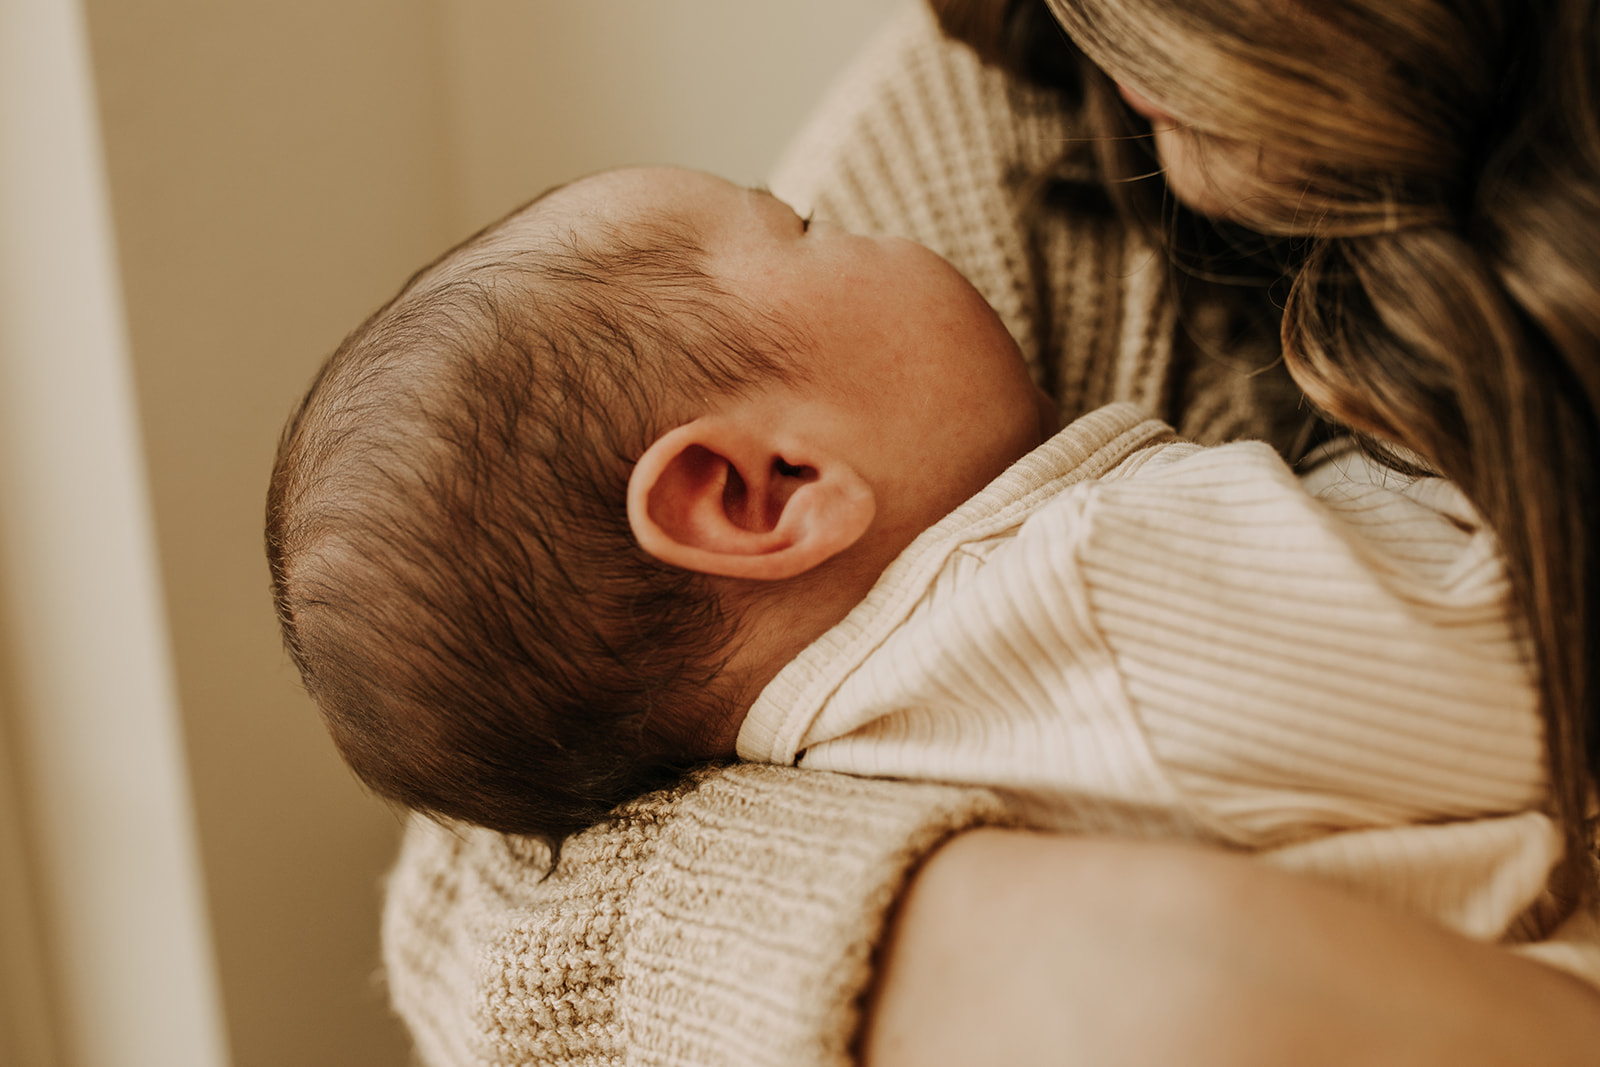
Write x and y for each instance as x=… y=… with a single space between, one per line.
x=718 y=496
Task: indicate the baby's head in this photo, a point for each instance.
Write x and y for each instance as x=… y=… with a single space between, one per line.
x=546 y=523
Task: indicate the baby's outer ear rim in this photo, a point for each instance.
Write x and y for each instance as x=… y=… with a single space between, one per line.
x=678 y=505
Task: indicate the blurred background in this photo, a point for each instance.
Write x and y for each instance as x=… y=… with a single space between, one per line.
x=198 y=198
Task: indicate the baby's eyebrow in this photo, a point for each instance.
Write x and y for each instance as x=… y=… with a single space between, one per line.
x=762 y=190
x=789 y=208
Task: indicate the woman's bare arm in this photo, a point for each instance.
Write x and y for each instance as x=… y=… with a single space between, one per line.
x=1022 y=949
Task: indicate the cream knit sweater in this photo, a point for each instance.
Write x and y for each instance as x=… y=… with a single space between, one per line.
x=731 y=921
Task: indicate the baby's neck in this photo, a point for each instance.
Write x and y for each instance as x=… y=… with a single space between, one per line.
x=775 y=622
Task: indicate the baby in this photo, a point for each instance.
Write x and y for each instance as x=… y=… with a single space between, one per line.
x=656 y=471
x=449 y=520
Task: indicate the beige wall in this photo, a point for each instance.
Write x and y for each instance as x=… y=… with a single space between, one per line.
x=546 y=90
x=276 y=169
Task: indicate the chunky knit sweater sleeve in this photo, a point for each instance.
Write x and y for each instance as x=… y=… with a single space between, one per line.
x=727 y=923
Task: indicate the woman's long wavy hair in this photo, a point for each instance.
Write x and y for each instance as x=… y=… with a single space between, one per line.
x=1432 y=169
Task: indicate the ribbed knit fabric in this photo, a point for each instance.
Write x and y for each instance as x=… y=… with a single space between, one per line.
x=732 y=920
x=1160 y=640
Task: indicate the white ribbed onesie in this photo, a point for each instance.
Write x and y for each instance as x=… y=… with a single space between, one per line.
x=1130 y=635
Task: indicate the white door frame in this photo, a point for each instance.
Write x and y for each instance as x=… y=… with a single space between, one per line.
x=96 y=826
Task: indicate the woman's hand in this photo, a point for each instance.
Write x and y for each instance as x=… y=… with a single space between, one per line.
x=1022 y=948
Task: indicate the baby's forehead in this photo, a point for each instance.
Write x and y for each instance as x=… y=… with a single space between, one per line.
x=598 y=212
x=614 y=191
x=613 y=212
x=690 y=201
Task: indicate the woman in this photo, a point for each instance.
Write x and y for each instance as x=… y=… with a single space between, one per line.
x=1444 y=159
x=738 y=918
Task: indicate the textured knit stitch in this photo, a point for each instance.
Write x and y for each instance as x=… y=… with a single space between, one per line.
x=677 y=933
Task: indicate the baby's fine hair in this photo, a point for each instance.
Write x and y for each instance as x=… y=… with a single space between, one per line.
x=452 y=564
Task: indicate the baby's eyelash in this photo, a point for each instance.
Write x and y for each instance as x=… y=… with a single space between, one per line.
x=805 y=221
